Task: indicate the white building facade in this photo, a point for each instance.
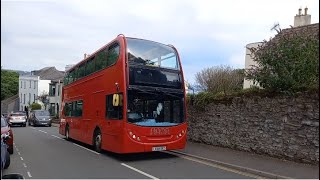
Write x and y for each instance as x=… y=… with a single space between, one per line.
x=249 y=63
x=30 y=87
x=55 y=90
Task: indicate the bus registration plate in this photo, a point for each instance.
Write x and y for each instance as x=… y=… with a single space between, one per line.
x=159 y=148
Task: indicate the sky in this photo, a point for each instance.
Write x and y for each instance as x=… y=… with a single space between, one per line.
x=41 y=33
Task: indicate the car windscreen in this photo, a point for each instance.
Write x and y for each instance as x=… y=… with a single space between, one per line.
x=3 y=122
x=42 y=113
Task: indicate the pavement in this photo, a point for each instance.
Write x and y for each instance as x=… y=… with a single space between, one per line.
x=261 y=165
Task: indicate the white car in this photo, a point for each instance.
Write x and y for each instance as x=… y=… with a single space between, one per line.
x=18 y=118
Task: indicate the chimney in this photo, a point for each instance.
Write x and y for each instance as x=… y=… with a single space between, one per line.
x=302 y=19
x=85 y=55
x=306 y=11
x=300 y=11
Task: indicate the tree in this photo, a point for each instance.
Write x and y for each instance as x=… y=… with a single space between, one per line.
x=44 y=98
x=220 y=79
x=9 y=84
x=287 y=62
x=35 y=106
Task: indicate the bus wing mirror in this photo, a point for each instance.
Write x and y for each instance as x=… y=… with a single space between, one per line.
x=116 y=99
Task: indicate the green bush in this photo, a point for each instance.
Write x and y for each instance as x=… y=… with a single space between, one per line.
x=289 y=62
x=35 y=106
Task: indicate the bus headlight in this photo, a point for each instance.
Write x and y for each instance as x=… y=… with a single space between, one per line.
x=133 y=136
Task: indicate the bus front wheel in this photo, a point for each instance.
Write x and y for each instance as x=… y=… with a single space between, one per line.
x=97 y=141
x=67 y=133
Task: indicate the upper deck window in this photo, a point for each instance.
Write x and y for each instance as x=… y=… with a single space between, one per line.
x=149 y=53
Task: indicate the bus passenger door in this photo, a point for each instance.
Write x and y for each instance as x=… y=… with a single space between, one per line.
x=98 y=111
x=114 y=121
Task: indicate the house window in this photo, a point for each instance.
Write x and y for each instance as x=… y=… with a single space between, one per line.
x=57 y=109
x=24 y=98
x=52 y=109
x=35 y=85
x=30 y=84
x=24 y=83
x=21 y=84
x=29 y=98
x=34 y=98
x=59 y=89
x=21 y=97
x=52 y=90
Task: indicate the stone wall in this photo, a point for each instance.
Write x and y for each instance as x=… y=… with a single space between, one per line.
x=282 y=126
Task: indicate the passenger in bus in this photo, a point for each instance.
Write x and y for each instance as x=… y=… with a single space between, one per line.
x=159 y=116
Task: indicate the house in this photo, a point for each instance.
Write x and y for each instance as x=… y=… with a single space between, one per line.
x=301 y=25
x=36 y=84
x=55 y=91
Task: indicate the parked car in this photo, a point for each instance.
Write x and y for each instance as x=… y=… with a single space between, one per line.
x=5 y=157
x=6 y=130
x=17 y=118
x=39 y=117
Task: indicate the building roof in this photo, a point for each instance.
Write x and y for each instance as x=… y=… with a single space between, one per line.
x=311 y=29
x=49 y=73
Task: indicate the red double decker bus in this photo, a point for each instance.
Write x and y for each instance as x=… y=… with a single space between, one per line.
x=128 y=96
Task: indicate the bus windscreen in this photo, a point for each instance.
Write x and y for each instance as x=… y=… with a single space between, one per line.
x=149 y=53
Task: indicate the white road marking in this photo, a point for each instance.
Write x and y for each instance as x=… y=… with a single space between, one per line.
x=29 y=174
x=24 y=165
x=57 y=137
x=21 y=158
x=33 y=128
x=19 y=153
x=86 y=148
x=14 y=144
x=137 y=170
x=17 y=149
x=42 y=131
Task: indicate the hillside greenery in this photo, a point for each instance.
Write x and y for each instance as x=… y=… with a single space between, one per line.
x=9 y=84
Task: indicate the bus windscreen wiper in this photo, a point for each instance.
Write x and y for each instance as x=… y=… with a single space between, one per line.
x=147 y=92
x=167 y=93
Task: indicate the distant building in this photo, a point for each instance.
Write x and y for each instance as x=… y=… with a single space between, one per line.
x=69 y=66
x=37 y=84
x=30 y=88
x=55 y=90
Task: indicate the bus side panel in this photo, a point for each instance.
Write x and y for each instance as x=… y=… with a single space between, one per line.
x=62 y=127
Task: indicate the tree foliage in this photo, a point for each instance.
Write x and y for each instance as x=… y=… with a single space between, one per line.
x=288 y=62
x=35 y=106
x=221 y=79
x=9 y=84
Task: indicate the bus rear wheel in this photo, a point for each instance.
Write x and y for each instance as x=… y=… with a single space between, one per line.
x=97 y=141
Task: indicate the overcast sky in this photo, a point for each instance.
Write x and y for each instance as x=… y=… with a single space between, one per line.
x=41 y=33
